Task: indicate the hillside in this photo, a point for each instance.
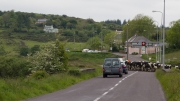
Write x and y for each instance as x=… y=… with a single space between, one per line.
x=70 y=28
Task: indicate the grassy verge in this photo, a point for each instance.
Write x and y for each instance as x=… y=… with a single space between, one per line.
x=24 y=88
x=170 y=83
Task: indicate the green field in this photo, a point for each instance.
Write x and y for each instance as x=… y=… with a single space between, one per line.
x=12 y=45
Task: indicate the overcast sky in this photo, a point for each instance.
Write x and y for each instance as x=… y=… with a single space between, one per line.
x=99 y=10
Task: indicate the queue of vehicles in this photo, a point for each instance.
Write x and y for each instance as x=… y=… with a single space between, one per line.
x=114 y=66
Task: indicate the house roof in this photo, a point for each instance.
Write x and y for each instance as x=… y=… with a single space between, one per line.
x=42 y=20
x=137 y=38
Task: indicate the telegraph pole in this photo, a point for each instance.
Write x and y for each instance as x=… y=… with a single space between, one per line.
x=127 y=42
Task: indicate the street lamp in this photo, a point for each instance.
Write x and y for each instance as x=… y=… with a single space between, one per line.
x=127 y=42
x=160 y=57
x=163 y=34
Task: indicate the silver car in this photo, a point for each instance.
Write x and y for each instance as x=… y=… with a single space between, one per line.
x=112 y=66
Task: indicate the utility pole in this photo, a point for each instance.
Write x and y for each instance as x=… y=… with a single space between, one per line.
x=163 y=57
x=127 y=42
x=74 y=37
x=101 y=41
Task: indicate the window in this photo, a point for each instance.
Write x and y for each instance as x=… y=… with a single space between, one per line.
x=107 y=63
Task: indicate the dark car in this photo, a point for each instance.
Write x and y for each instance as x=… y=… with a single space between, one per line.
x=112 y=66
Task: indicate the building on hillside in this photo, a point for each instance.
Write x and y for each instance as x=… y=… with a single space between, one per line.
x=41 y=21
x=50 y=29
x=134 y=45
x=119 y=32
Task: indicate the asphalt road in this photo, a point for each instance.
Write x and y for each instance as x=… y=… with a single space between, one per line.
x=131 y=57
x=134 y=86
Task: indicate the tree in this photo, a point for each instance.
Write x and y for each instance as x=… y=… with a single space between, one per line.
x=24 y=51
x=174 y=34
x=119 y=22
x=6 y=19
x=109 y=38
x=124 y=22
x=141 y=25
x=35 y=48
x=52 y=58
x=94 y=43
x=1 y=21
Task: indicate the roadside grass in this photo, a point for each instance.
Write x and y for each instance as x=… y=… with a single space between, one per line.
x=169 y=57
x=170 y=83
x=27 y=87
x=147 y=56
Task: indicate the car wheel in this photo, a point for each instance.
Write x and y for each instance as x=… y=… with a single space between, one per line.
x=120 y=75
x=104 y=75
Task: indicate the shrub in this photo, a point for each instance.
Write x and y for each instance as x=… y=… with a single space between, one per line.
x=52 y=58
x=2 y=51
x=1 y=98
x=13 y=67
x=35 y=48
x=24 y=51
x=39 y=75
x=74 y=72
x=134 y=53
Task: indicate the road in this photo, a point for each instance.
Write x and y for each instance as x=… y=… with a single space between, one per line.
x=134 y=86
x=131 y=57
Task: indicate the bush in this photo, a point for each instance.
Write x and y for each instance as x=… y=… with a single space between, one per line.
x=1 y=98
x=13 y=67
x=40 y=75
x=74 y=72
x=52 y=58
x=24 y=51
x=134 y=53
x=2 y=51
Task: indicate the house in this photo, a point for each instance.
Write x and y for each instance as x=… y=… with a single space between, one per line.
x=119 y=32
x=134 y=45
x=40 y=21
x=50 y=29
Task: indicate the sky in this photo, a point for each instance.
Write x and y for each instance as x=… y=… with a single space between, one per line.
x=99 y=10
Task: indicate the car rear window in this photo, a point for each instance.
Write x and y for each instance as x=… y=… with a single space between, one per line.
x=115 y=62
x=107 y=63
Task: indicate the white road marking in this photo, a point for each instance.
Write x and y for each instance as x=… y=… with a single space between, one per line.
x=113 y=87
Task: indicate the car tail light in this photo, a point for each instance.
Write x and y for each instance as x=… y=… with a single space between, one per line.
x=123 y=66
x=120 y=69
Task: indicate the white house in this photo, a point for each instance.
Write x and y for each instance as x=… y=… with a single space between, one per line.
x=50 y=29
x=40 y=21
x=135 y=45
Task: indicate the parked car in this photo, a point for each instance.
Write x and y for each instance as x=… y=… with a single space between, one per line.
x=112 y=66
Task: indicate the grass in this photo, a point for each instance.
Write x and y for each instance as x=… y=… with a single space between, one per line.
x=75 y=46
x=28 y=87
x=170 y=83
x=170 y=57
x=1 y=30
x=12 y=45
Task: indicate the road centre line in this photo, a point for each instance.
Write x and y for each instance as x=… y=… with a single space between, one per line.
x=113 y=87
